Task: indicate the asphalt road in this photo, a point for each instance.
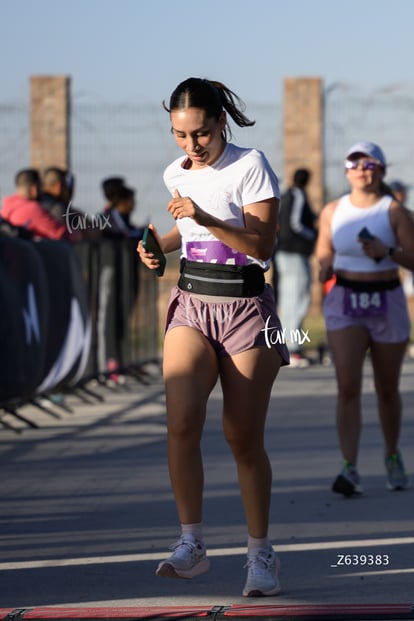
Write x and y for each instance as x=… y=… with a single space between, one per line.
x=86 y=510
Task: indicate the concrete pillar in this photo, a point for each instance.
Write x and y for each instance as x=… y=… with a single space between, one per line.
x=303 y=133
x=50 y=121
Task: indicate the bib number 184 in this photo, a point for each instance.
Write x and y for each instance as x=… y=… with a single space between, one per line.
x=364 y=303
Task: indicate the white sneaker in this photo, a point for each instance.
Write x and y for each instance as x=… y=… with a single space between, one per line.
x=397 y=478
x=299 y=361
x=188 y=559
x=348 y=481
x=262 y=573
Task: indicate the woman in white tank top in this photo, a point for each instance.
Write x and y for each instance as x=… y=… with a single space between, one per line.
x=364 y=238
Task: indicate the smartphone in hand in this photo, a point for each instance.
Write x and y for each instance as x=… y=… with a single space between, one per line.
x=150 y=244
x=365 y=234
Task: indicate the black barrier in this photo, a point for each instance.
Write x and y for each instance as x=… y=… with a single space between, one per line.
x=68 y=334
x=123 y=301
x=71 y=313
x=24 y=303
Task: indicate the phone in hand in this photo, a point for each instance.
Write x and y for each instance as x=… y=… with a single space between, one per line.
x=150 y=244
x=365 y=234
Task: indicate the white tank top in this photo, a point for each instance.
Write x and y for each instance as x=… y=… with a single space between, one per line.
x=347 y=221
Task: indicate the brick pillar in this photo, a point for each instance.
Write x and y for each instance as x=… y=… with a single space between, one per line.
x=303 y=133
x=50 y=121
x=303 y=148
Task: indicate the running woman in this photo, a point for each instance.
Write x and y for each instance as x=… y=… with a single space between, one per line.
x=364 y=238
x=220 y=319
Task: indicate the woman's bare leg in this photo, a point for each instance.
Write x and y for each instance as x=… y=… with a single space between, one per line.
x=247 y=380
x=190 y=373
x=348 y=348
x=387 y=359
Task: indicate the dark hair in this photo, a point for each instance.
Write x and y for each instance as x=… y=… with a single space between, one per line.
x=111 y=187
x=53 y=174
x=212 y=97
x=27 y=177
x=124 y=193
x=301 y=177
x=386 y=189
x=397 y=186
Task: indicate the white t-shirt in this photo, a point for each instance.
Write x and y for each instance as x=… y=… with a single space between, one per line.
x=239 y=177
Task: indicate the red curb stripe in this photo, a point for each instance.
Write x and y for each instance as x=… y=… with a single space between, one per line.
x=299 y=612
x=127 y=612
x=317 y=611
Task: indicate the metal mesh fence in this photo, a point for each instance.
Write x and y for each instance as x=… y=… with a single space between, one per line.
x=384 y=116
x=14 y=142
x=133 y=140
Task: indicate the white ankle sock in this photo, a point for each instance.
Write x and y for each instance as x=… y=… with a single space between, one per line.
x=256 y=543
x=193 y=529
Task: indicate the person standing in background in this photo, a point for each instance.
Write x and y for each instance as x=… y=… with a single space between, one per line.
x=110 y=188
x=119 y=215
x=295 y=243
x=399 y=189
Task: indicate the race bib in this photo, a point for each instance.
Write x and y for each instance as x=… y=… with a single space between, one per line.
x=214 y=252
x=364 y=303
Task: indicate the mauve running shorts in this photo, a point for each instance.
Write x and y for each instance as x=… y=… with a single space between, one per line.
x=231 y=326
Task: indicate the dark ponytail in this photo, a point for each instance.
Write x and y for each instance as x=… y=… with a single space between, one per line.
x=211 y=96
x=385 y=189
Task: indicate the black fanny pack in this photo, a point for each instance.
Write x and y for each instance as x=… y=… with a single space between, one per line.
x=239 y=281
x=371 y=285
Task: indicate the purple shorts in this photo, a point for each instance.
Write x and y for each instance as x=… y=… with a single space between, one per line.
x=391 y=327
x=230 y=326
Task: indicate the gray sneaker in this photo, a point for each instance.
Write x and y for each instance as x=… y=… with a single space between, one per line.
x=396 y=476
x=348 y=482
x=262 y=574
x=188 y=559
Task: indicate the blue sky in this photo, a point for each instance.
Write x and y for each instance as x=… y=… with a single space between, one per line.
x=140 y=49
x=137 y=51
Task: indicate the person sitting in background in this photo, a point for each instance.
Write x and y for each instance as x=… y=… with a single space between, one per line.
x=23 y=208
x=110 y=188
x=56 y=198
x=119 y=215
x=54 y=194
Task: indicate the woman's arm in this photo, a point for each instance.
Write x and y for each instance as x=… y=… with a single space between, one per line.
x=171 y=241
x=257 y=238
x=403 y=225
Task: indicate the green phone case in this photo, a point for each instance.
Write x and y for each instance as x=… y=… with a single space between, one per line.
x=151 y=245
